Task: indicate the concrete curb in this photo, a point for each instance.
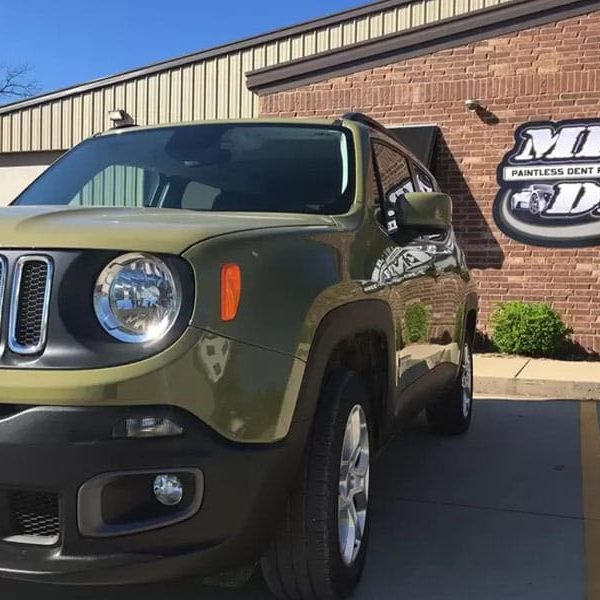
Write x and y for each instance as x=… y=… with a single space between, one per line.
x=535 y=388
x=536 y=378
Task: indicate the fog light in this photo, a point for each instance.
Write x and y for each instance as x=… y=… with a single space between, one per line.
x=147 y=427
x=168 y=489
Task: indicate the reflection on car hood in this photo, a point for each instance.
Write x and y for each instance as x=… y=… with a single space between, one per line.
x=141 y=229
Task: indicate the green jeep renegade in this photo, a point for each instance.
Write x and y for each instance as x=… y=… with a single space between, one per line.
x=208 y=332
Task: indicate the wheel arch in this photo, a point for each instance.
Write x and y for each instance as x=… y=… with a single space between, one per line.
x=341 y=339
x=470 y=318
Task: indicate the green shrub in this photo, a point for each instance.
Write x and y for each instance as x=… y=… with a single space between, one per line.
x=528 y=328
x=416 y=318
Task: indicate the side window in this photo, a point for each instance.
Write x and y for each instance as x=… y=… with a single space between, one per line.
x=425 y=182
x=373 y=188
x=395 y=179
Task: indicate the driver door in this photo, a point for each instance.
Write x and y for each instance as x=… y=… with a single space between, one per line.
x=412 y=274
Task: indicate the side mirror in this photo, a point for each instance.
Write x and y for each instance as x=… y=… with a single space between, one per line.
x=425 y=211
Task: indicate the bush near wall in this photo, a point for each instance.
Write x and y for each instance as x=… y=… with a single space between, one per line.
x=416 y=317
x=528 y=328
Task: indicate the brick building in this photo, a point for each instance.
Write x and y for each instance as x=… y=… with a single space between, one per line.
x=522 y=161
x=532 y=65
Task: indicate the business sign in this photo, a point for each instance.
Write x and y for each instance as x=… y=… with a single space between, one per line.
x=550 y=185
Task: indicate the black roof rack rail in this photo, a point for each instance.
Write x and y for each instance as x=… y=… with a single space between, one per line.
x=359 y=117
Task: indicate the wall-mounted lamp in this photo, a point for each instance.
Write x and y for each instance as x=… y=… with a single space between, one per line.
x=474 y=105
x=120 y=118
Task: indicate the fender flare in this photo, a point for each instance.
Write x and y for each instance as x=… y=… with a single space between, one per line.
x=339 y=324
x=471 y=305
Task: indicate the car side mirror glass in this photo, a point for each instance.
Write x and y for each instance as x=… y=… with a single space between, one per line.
x=425 y=211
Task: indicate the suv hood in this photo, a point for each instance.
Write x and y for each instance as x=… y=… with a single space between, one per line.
x=169 y=231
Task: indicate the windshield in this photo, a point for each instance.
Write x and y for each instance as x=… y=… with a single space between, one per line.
x=222 y=167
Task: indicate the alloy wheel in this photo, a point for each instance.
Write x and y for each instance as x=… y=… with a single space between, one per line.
x=353 y=485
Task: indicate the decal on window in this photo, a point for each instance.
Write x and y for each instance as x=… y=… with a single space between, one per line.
x=550 y=185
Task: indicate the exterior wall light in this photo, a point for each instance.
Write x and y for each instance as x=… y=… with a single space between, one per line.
x=120 y=118
x=474 y=105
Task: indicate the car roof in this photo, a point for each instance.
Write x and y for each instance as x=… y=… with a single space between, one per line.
x=267 y=121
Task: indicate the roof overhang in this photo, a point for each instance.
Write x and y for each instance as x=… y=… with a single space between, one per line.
x=419 y=139
x=450 y=33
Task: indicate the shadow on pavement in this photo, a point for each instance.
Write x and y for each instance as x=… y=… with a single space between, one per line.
x=490 y=516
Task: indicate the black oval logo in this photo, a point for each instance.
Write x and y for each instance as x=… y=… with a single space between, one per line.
x=550 y=185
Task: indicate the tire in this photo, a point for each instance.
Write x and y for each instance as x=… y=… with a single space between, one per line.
x=451 y=415
x=305 y=561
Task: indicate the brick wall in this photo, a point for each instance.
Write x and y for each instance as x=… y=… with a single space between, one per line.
x=546 y=73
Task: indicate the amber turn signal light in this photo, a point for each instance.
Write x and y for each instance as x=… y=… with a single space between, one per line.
x=231 y=290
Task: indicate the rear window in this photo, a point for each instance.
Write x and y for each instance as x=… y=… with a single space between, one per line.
x=217 y=167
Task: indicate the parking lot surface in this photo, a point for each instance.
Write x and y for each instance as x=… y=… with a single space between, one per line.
x=494 y=515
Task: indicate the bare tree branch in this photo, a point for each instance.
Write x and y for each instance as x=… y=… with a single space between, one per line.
x=15 y=82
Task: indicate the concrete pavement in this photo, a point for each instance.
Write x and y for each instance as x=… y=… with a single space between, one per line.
x=496 y=514
x=508 y=376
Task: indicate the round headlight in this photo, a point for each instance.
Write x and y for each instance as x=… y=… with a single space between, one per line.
x=137 y=298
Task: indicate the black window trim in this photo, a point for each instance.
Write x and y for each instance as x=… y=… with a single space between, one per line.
x=398 y=149
x=416 y=165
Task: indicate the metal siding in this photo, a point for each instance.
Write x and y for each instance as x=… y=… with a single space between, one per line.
x=176 y=94
x=432 y=11
x=153 y=87
x=418 y=14
x=164 y=97
x=222 y=88
x=199 y=92
x=349 y=33
x=297 y=47
x=130 y=99
x=284 y=53
x=6 y=132
x=247 y=98
x=310 y=43
x=141 y=100
x=87 y=111
x=389 y=22
x=15 y=121
x=362 y=29
x=187 y=93
x=236 y=83
x=36 y=128
x=109 y=104
x=26 y=130
x=376 y=26
x=210 y=88
x=46 y=128
x=404 y=20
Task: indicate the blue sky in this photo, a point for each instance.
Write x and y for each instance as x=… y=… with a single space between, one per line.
x=72 y=41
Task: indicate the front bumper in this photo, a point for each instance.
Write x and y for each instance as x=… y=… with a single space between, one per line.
x=57 y=450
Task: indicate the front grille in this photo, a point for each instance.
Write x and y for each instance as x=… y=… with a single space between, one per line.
x=30 y=304
x=34 y=517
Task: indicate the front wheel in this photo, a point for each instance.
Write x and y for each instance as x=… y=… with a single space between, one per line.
x=451 y=415
x=319 y=551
